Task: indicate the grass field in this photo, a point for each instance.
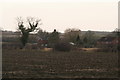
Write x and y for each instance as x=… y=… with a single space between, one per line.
x=37 y=64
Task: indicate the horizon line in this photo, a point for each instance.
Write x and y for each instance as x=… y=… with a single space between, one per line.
x=15 y=30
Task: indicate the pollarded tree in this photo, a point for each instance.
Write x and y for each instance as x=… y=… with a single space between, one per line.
x=25 y=31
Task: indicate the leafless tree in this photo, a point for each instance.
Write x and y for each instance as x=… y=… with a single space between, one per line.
x=25 y=31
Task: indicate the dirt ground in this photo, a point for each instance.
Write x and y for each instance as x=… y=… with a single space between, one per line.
x=74 y=64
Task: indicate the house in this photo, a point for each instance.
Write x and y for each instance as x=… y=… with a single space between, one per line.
x=42 y=43
x=107 y=40
x=110 y=43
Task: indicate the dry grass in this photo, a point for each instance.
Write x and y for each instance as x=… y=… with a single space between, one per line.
x=47 y=49
x=89 y=49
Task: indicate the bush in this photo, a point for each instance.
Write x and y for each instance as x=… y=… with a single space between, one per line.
x=62 y=46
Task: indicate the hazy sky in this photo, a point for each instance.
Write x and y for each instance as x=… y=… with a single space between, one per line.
x=60 y=15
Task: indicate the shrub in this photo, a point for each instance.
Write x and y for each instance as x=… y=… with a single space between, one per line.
x=62 y=46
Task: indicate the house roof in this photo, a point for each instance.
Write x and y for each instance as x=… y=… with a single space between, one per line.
x=109 y=39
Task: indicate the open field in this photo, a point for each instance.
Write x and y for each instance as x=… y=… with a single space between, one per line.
x=30 y=64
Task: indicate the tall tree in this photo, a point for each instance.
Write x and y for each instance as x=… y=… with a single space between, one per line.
x=78 y=41
x=89 y=39
x=25 y=31
x=53 y=38
x=71 y=34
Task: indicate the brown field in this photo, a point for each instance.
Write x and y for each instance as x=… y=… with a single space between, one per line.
x=74 y=64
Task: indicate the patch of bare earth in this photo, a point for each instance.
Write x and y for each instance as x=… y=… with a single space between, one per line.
x=34 y=63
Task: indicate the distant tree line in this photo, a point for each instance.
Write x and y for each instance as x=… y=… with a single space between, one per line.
x=60 y=41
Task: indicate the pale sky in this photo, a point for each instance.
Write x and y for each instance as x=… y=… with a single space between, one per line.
x=99 y=15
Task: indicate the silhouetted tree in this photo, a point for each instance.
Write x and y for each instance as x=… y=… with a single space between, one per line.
x=78 y=41
x=116 y=33
x=26 y=31
x=89 y=39
x=53 y=38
